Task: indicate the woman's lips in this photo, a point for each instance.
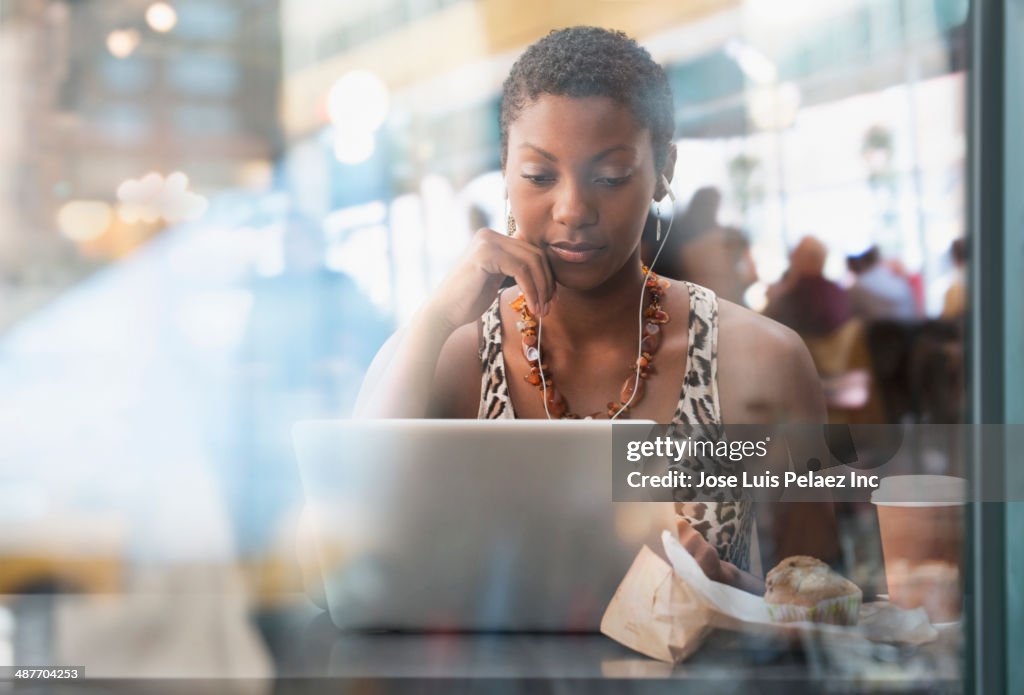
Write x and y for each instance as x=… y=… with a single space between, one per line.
x=576 y=253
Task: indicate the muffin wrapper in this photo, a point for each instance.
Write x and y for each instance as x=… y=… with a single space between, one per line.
x=842 y=610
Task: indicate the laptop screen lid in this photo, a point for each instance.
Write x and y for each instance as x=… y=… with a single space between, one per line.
x=469 y=524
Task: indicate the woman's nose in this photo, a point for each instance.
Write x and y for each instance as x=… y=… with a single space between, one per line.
x=572 y=206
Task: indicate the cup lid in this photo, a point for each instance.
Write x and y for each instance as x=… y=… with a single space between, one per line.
x=920 y=491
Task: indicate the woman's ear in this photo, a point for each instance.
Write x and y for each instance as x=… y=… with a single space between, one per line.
x=665 y=175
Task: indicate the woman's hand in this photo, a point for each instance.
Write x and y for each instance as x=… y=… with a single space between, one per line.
x=401 y=380
x=471 y=286
x=715 y=568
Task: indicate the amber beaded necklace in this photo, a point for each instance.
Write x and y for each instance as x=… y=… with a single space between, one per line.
x=632 y=390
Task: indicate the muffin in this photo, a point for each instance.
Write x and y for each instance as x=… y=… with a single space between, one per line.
x=802 y=588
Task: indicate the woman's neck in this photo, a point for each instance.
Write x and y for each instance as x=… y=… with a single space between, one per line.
x=603 y=314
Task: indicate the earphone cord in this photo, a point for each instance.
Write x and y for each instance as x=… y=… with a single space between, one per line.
x=639 y=341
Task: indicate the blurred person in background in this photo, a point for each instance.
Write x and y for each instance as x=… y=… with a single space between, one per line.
x=310 y=334
x=804 y=299
x=586 y=133
x=955 y=301
x=878 y=292
x=701 y=215
x=702 y=251
x=722 y=258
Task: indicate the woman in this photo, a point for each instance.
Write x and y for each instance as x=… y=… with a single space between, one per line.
x=586 y=134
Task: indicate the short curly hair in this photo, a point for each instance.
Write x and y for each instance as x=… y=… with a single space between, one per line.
x=586 y=62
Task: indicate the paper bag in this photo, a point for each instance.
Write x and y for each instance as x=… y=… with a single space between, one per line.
x=666 y=611
x=653 y=612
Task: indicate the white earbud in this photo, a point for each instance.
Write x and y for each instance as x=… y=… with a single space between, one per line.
x=668 y=188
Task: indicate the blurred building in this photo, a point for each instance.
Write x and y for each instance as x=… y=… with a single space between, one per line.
x=99 y=93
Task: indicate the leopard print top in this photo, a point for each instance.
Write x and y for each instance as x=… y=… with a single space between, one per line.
x=727 y=523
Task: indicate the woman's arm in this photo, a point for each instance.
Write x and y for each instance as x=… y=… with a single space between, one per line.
x=766 y=377
x=803 y=528
x=400 y=381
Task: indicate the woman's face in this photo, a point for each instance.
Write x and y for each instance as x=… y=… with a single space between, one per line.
x=580 y=176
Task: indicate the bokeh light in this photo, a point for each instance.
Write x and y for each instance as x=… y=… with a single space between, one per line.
x=84 y=220
x=122 y=42
x=161 y=17
x=358 y=101
x=353 y=147
x=774 y=107
x=153 y=197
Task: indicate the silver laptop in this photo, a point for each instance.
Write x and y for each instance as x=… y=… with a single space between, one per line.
x=469 y=525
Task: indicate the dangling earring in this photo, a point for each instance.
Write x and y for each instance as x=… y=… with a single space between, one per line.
x=657 y=221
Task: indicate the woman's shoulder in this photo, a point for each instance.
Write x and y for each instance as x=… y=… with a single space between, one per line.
x=740 y=326
x=764 y=368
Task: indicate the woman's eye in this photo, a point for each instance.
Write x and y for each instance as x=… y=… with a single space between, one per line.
x=539 y=179
x=613 y=180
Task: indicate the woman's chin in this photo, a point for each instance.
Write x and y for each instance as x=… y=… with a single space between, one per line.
x=589 y=276
x=579 y=278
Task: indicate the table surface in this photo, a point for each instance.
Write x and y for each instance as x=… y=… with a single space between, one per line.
x=728 y=662
x=217 y=635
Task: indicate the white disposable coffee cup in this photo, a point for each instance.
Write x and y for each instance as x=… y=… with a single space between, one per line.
x=921 y=521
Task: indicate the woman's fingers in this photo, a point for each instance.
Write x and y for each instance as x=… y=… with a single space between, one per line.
x=528 y=265
x=469 y=289
x=540 y=270
x=690 y=539
x=499 y=254
x=535 y=267
x=549 y=276
x=700 y=549
x=524 y=276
